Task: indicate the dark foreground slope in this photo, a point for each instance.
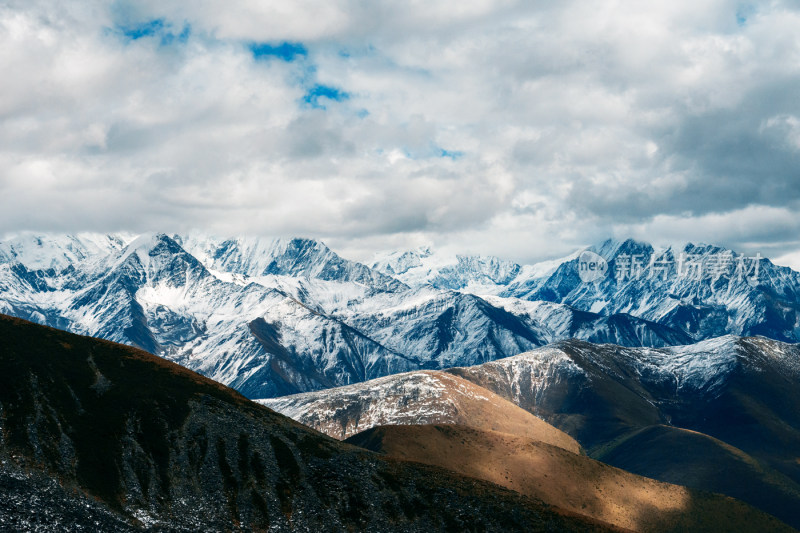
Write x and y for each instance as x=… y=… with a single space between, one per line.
x=102 y=437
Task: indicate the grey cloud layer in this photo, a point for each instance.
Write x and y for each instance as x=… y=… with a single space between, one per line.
x=498 y=127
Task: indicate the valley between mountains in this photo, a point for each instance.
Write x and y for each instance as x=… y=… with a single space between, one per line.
x=650 y=401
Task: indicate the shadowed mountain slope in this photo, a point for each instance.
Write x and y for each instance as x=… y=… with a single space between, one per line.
x=694 y=459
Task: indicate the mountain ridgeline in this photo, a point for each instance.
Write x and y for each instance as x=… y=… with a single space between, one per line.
x=271 y=318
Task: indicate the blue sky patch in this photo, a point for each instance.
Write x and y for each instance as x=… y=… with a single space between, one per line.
x=743 y=13
x=155 y=28
x=430 y=151
x=741 y=18
x=146 y=29
x=451 y=154
x=284 y=51
x=312 y=97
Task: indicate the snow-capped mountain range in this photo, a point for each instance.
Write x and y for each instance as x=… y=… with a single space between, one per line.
x=279 y=317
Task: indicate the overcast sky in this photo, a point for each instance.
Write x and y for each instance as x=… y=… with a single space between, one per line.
x=520 y=129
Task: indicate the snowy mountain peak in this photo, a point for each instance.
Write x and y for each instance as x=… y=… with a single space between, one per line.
x=158 y=256
x=297 y=257
x=58 y=251
x=150 y=244
x=399 y=263
x=466 y=273
x=612 y=248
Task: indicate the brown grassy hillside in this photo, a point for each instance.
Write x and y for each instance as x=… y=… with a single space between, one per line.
x=574 y=482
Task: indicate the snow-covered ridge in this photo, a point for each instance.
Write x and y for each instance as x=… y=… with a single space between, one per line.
x=414 y=398
x=466 y=273
x=702 y=368
x=700 y=291
x=303 y=258
x=410 y=398
x=57 y=251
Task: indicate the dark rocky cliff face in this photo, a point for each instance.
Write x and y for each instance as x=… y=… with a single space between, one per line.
x=103 y=437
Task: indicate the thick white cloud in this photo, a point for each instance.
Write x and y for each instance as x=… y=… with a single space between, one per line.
x=516 y=128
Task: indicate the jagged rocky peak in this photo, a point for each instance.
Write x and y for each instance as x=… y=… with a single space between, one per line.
x=159 y=257
x=292 y=257
x=611 y=248
x=152 y=245
x=646 y=257
x=705 y=291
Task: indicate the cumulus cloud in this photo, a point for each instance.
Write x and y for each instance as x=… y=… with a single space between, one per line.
x=516 y=128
